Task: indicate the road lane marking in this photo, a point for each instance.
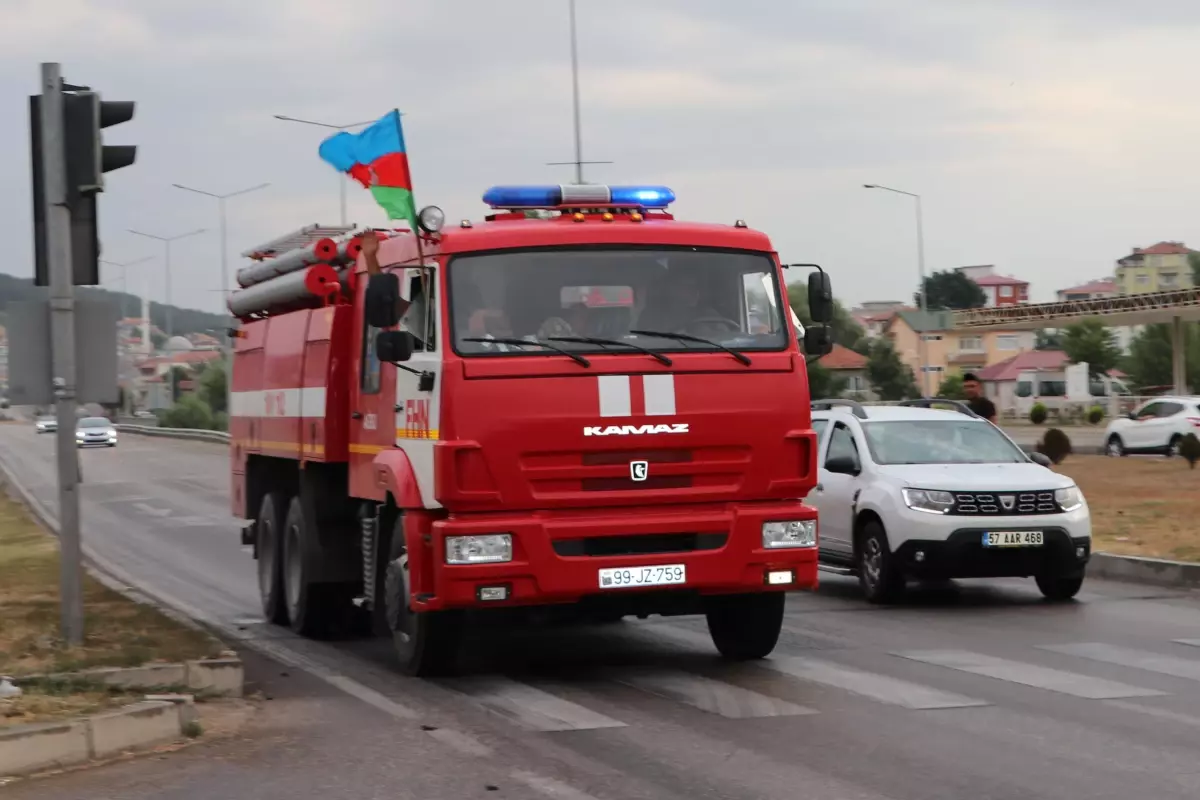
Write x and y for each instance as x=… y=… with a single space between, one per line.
x=1054 y=680
x=1188 y=642
x=528 y=706
x=550 y=787
x=1154 y=711
x=707 y=694
x=1186 y=668
x=883 y=688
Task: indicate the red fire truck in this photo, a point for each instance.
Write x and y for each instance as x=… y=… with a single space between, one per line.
x=579 y=404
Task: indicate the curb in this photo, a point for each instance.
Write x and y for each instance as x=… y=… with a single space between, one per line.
x=1149 y=571
x=218 y=677
x=215 y=437
x=26 y=749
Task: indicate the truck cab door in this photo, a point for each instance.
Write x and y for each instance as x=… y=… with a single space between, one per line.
x=418 y=381
x=371 y=408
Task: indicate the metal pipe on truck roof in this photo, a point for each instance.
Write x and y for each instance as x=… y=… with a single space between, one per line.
x=286 y=292
x=268 y=269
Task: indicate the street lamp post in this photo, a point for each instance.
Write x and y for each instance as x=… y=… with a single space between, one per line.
x=921 y=301
x=166 y=240
x=124 y=265
x=341 y=178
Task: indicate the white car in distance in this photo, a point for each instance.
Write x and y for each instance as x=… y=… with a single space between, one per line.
x=1157 y=427
x=46 y=424
x=95 y=431
x=917 y=492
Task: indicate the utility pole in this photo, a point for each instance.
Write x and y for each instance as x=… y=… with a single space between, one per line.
x=341 y=178
x=62 y=336
x=166 y=240
x=578 y=162
x=124 y=277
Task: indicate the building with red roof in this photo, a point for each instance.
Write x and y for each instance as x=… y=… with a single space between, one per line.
x=1000 y=290
x=1161 y=267
x=851 y=367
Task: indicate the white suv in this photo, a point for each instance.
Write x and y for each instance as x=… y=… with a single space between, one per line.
x=909 y=491
x=1157 y=427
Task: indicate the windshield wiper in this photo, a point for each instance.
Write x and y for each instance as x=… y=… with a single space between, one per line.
x=522 y=342
x=687 y=337
x=608 y=342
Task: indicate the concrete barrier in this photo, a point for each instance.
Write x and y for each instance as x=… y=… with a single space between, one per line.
x=1139 y=569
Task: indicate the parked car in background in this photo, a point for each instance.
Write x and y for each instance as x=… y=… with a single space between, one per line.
x=46 y=424
x=93 y=431
x=1157 y=426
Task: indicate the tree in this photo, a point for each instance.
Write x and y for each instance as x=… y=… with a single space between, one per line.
x=951 y=289
x=845 y=329
x=178 y=375
x=212 y=385
x=891 y=377
x=952 y=388
x=189 y=412
x=1149 y=359
x=1091 y=341
x=823 y=382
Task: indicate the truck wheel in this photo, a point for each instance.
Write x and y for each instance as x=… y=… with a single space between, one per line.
x=878 y=573
x=1059 y=588
x=426 y=642
x=267 y=531
x=311 y=607
x=745 y=627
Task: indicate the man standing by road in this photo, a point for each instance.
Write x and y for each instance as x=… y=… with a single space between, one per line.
x=975 y=399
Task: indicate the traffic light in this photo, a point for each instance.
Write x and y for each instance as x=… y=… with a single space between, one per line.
x=86 y=159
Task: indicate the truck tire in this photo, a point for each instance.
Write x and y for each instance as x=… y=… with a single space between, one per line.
x=267 y=532
x=879 y=575
x=426 y=642
x=312 y=607
x=745 y=627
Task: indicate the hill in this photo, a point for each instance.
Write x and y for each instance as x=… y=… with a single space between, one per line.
x=183 y=320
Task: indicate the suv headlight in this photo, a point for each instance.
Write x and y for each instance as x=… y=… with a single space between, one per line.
x=488 y=548
x=928 y=500
x=1068 y=499
x=792 y=533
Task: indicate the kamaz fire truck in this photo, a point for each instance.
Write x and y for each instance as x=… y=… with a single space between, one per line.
x=579 y=403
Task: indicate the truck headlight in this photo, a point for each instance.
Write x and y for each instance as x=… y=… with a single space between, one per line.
x=928 y=500
x=488 y=548
x=793 y=533
x=1068 y=499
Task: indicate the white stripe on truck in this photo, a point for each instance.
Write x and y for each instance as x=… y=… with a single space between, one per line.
x=308 y=402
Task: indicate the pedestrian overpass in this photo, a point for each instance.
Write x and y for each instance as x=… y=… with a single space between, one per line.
x=1174 y=307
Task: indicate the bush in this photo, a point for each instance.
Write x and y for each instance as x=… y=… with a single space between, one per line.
x=1037 y=414
x=189 y=412
x=1095 y=415
x=1055 y=445
x=1189 y=449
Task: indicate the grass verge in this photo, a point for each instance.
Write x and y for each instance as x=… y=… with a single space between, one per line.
x=1140 y=506
x=118 y=632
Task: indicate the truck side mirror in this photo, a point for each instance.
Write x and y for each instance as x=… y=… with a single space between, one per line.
x=817 y=341
x=382 y=301
x=392 y=347
x=820 y=297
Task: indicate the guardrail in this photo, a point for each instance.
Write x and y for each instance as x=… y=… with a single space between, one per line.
x=176 y=433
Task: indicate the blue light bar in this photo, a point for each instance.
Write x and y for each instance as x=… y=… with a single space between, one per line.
x=581 y=196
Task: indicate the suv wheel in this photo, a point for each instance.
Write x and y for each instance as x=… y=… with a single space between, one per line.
x=1174 y=445
x=879 y=575
x=1114 y=447
x=1058 y=588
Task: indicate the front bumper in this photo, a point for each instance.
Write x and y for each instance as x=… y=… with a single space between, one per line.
x=557 y=556
x=962 y=555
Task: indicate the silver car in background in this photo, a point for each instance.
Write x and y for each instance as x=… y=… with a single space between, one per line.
x=93 y=431
x=46 y=424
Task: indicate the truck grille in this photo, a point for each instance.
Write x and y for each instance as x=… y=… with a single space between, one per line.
x=561 y=474
x=1004 y=504
x=639 y=544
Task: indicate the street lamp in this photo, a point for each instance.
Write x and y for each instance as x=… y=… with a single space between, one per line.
x=341 y=178
x=166 y=240
x=921 y=303
x=124 y=284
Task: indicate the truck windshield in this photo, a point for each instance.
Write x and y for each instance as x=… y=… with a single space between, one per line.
x=721 y=296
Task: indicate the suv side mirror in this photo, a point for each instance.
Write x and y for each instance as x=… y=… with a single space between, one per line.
x=392 y=347
x=820 y=297
x=817 y=341
x=382 y=300
x=1041 y=459
x=842 y=465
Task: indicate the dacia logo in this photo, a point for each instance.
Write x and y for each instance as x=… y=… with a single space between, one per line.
x=633 y=430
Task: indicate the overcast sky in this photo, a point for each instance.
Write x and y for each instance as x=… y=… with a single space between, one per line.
x=1047 y=137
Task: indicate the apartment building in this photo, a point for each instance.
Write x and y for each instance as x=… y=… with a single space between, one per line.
x=949 y=351
x=1000 y=290
x=1158 y=268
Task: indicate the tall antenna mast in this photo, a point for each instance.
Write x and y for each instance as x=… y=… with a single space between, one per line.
x=578 y=162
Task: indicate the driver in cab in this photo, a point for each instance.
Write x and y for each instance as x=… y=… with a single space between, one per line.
x=683 y=307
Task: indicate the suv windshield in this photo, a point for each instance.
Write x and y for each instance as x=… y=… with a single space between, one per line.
x=730 y=298
x=94 y=422
x=965 y=441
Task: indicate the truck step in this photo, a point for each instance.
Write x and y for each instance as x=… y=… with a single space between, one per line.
x=836 y=570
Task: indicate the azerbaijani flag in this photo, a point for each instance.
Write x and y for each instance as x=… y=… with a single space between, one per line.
x=376 y=158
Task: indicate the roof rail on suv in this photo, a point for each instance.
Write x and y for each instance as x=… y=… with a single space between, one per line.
x=855 y=406
x=928 y=402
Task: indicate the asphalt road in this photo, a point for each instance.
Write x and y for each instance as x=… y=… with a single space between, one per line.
x=978 y=690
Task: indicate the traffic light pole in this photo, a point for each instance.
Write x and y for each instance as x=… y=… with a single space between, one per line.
x=62 y=338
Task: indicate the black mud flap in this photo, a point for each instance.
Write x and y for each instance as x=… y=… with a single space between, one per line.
x=248 y=538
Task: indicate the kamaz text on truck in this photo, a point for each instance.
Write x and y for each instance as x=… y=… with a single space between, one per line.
x=578 y=404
